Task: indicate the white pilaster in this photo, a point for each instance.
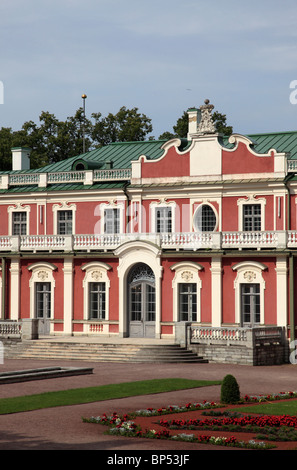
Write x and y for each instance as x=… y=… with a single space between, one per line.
x=15 y=289
x=68 y=295
x=216 y=291
x=281 y=291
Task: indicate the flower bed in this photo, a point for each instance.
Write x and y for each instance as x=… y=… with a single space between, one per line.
x=220 y=427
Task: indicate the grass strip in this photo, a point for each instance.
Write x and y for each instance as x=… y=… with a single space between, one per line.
x=101 y=393
x=272 y=408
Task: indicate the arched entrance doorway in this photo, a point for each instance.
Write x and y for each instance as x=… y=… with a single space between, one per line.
x=141 y=301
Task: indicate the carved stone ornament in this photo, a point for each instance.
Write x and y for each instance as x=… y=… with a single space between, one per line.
x=42 y=275
x=186 y=276
x=206 y=124
x=96 y=275
x=249 y=276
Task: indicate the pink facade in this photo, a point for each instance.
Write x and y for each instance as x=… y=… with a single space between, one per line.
x=203 y=232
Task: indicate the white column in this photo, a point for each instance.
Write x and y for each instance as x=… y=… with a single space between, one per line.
x=281 y=291
x=68 y=295
x=216 y=291
x=15 y=289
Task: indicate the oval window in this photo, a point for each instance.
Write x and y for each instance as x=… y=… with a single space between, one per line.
x=205 y=219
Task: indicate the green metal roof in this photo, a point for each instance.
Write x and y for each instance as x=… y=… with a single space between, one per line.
x=122 y=153
x=280 y=141
x=119 y=153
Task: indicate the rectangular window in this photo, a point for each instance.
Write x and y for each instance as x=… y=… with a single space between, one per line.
x=112 y=221
x=187 y=302
x=43 y=300
x=251 y=217
x=164 y=220
x=19 y=223
x=250 y=304
x=64 y=223
x=97 y=301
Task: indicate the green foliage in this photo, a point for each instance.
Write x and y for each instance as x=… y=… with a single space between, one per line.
x=127 y=125
x=230 y=390
x=181 y=127
x=52 y=140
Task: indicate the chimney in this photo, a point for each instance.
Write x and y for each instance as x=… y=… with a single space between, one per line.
x=20 y=158
x=193 y=117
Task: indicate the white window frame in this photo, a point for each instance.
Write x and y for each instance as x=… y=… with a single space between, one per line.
x=18 y=208
x=186 y=272
x=112 y=205
x=251 y=200
x=160 y=205
x=64 y=206
x=41 y=272
x=95 y=272
x=195 y=216
x=249 y=272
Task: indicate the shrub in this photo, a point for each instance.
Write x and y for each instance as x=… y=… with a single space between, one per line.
x=230 y=390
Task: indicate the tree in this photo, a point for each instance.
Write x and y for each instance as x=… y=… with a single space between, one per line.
x=127 y=125
x=54 y=140
x=6 y=143
x=181 y=127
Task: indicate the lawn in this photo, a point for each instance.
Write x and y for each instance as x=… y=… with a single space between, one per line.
x=93 y=394
x=272 y=408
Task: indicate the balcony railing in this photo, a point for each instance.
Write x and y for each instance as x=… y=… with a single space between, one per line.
x=191 y=241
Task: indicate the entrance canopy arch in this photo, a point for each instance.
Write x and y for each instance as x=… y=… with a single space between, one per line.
x=130 y=254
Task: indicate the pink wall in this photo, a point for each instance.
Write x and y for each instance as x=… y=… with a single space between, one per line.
x=172 y=165
x=242 y=160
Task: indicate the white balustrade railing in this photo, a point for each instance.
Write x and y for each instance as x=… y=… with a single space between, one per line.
x=23 y=179
x=45 y=242
x=93 y=242
x=116 y=174
x=292 y=166
x=190 y=240
x=250 y=239
x=236 y=335
x=211 y=334
x=177 y=241
x=10 y=328
x=61 y=177
x=66 y=177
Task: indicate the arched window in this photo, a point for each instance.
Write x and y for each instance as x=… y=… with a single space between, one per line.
x=205 y=219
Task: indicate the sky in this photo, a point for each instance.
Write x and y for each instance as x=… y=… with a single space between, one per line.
x=161 y=56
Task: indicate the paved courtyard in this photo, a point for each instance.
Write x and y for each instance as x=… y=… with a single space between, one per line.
x=62 y=428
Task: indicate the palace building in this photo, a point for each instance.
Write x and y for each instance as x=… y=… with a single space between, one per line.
x=147 y=239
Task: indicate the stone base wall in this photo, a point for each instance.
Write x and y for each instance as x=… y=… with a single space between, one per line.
x=261 y=355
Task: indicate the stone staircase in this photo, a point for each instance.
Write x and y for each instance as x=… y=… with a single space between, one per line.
x=99 y=352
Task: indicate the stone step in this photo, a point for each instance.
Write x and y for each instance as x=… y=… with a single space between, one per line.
x=100 y=352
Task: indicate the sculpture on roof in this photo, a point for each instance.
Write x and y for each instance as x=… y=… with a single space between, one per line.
x=206 y=124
